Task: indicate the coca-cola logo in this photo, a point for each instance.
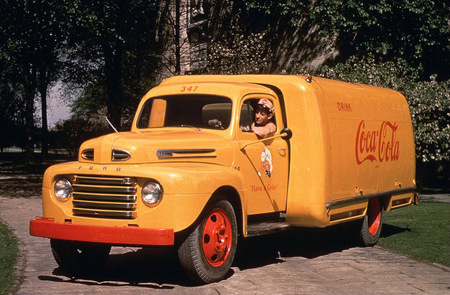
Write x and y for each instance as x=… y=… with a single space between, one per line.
x=377 y=144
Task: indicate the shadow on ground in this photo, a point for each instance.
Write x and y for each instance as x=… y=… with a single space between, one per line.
x=141 y=268
x=136 y=268
x=302 y=242
x=390 y=230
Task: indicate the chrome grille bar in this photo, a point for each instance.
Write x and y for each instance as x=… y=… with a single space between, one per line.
x=104 y=189
x=109 y=206
x=105 y=214
x=104 y=180
x=104 y=196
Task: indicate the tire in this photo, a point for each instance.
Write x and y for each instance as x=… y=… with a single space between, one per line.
x=207 y=253
x=372 y=223
x=76 y=257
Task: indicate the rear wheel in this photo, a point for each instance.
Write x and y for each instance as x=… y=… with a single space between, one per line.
x=208 y=252
x=75 y=257
x=372 y=223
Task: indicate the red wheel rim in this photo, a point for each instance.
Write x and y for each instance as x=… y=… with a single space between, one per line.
x=217 y=237
x=374 y=215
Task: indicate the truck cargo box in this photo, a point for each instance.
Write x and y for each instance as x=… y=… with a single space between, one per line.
x=350 y=142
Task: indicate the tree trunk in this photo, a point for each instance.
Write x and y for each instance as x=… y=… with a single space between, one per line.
x=44 y=140
x=29 y=93
x=113 y=74
x=177 y=38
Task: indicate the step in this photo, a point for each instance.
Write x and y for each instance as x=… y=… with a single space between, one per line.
x=265 y=228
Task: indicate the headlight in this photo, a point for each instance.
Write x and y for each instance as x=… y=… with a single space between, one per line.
x=151 y=193
x=62 y=189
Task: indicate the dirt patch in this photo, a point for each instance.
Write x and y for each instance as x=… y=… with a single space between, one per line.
x=20 y=186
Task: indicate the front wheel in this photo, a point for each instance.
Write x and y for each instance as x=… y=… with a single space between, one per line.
x=208 y=252
x=372 y=223
x=75 y=257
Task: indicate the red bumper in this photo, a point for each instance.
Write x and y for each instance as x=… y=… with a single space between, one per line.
x=135 y=236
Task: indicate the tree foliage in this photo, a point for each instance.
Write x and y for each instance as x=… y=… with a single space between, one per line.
x=413 y=30
x=300 y=31
x=106 y=44
x=238 y=54
x=69 y=134
x=290 y=32
x=12 y=125
x=32 y=33
x=430 y=110
x=113 y=46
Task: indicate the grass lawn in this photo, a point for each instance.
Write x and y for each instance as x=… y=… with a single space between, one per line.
x=421 y=232
x=9 y=252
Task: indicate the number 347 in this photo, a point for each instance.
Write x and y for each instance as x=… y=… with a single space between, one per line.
x=188 y=88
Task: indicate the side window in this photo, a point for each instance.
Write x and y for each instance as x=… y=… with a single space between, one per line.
x=144 y=117
x=153 y=113
x=246 y=117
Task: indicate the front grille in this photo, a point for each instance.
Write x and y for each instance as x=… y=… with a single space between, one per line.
x=104 y=196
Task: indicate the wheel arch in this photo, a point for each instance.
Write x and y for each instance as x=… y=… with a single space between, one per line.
x=230 y=194
x=225 y=192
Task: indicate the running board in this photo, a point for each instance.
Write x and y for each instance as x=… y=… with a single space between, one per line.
x=265 y=228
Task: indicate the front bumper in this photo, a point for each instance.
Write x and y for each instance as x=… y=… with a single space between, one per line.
x=132 y=236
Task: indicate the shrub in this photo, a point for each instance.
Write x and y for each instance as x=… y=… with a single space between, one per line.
x=429 y=102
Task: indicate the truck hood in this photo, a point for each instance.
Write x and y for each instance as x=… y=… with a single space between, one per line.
x=157 y=146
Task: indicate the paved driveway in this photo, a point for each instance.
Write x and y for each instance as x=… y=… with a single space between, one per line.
x=296 y=262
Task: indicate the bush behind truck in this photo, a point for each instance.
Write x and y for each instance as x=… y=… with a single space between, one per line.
x=189 y=176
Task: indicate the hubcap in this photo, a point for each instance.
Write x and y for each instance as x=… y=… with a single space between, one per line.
x=374 y=215
x=217 y=237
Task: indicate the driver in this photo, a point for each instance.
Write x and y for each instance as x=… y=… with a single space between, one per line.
x=263 y=126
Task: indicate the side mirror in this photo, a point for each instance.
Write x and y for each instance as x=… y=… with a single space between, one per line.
x=286 y=133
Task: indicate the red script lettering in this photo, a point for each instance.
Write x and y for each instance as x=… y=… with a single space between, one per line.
x=377 y=145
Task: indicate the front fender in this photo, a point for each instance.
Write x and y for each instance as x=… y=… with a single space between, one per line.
x=187 y=189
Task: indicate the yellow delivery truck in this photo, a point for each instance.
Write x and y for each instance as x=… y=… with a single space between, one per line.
x=209 y=159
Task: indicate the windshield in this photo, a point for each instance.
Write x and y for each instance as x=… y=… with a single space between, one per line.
x=200 y=111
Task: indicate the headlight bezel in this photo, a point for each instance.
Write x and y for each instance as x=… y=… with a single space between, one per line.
x=151 y=193
x=64 y=191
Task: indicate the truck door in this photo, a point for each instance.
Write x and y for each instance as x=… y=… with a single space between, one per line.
x=264 y=164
